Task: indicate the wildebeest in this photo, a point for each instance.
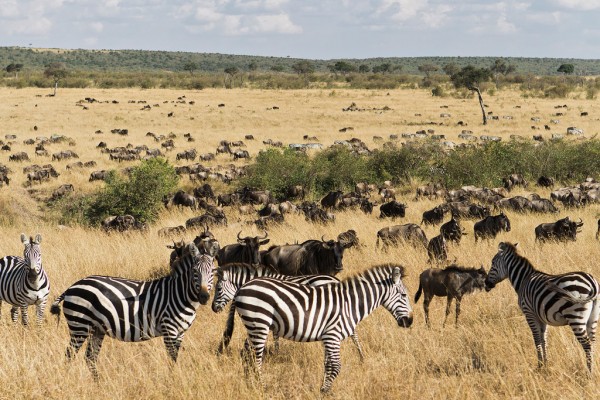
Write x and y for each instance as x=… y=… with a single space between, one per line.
x=42 y=175
x=452 y=231
x=228 y=199
x=468 y=210
x=315 y=214
x=122 y=223
x=453 y=282
x=514 y=180
x=249 y=196
x=206 y=220
x=437 y=249
x=246 y=250
x=269 y=220
x=431 y=190
x=435 y=215
x=349 y=237
x=21 y=156
x=543 y=206
x=516 y=203
x=189 y=154
x=240 y=154
x=309 y=258
x=562 y=230
x=171 y=231
x=392 y=209
x=387 y=193
x=183 y=199
x=4 y=179
x=545 y=181
x=598 y=231
x=489 y=227
x=99 y=175
x=332 y=199
x=296 y=191
x=205 y=191
x=411 y=233
x=61 y=191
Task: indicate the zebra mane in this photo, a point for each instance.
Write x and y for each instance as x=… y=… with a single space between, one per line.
x=378 y=271
x=238 y=265
x=505 y=247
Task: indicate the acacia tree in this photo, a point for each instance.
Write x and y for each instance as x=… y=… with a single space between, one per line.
x=566 y=69
x=12 y=67
x=304 y=68
x=471 y=78
x=57 y=72
x=190 y=66
x=230 y=72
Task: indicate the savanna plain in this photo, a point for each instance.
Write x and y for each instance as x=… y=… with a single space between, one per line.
x=489 y=354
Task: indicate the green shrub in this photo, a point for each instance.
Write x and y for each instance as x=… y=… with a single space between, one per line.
x=139 y=195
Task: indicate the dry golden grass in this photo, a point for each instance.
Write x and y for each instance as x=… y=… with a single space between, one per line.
x=489 y=355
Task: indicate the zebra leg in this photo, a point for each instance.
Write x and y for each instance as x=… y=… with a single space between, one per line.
x=173 y=343
x=583 y=338
x=358 y=346
x=332 y=363
x=448 y=304
x=75 y=344
x=538 y=329
x=592 y=323
x=39 y=308
x=92 y=351
x=14 y=314
x=228 y=330
x=24 y=316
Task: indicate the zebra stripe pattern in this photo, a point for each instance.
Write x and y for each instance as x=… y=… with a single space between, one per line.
x=133 y=311
x=327 y=313
x=231 y=277
x=556 y=300
x=23 y=281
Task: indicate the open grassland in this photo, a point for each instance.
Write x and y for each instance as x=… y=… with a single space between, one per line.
x=489 y=355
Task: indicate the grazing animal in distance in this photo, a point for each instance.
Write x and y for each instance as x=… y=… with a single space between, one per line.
x=555 y=300
x=23 y=281
x=306 y=314
x=134 y=311
x=453 y=282
x=489 y=227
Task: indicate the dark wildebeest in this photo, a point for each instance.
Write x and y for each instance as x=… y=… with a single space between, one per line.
x=332 y=199
x=246 y=250
x=516 y=203
x=318 y=215
x=489 y=227
x=250 y=196
x=468 y=210
x=435 y=215
x=268 y=209
x=61 y=191
x=598 y=232
x=206 y=220
x=514 y=180
x=294 y=192
x=205 y=242
x=392 y=209
x=269 y=220
x=437 y=249
x=350 y=238
x=204 y=192
x=452 y=231
x=545 y=181
x=453 y=282
x=98 y=175
x=309 y=258
x=4 y=179
x=228 y=199
x=366 y=206
x=411 y=233
x=562 y=230
x=543 y=206
x=121 y=223
x=182 y=199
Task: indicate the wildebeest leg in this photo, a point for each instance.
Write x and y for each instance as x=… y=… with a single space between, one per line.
x=228 y=330
x=448 y=304
x=458 y=299
x=426 y=300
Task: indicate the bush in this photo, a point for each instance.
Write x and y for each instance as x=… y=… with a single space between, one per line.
x=140 y=195
x=437 y=91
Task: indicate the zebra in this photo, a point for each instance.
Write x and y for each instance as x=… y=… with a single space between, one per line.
x=23 y=281
x=230 y=277
x=557 y=300
x=327 y=313
x=134 y=311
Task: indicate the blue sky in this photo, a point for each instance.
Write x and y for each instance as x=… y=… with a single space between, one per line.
x=315 y=29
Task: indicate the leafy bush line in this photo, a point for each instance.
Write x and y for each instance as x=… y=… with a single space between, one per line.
x=339 y=169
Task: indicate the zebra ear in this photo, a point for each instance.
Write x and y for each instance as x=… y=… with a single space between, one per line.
x=396 y=275
x=24 y=239
x=225 y=276
x=38 y=239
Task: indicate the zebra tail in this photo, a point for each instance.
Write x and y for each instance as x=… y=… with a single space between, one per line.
x=418 y=294
x=569 y=296
x=55 y=307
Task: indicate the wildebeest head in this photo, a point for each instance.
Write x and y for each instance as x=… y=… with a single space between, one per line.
x=337 y=251
x=251 y=246
x=503 y=221
x=452 y=230
x=206 y=242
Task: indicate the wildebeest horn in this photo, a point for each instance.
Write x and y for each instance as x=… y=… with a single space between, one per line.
x=264 y=237
x=323 y=239
x=238 y=235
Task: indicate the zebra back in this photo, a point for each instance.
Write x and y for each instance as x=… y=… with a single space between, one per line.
x=231 y=277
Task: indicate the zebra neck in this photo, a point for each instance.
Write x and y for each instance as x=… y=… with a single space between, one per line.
x=519 y=270
x=361 y=297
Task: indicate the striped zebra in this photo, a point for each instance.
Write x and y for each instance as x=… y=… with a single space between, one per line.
x=134 y=311
x=23 y=281
x=327 y=313
x=231 y=277
x=556 y=300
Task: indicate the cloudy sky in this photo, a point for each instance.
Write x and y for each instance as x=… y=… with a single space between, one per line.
x=315 y=29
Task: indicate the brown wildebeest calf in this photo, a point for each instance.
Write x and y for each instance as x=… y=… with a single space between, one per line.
x=453 y=282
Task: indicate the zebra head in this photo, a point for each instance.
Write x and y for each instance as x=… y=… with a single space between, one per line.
x=202 y=273
x=397 y=301
x=499 y=270
x=32 y=254
x=225 y=290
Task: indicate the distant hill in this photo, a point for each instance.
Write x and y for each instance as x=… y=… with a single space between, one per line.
x=144 y=60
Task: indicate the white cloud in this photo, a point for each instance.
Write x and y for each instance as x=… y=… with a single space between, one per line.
x=28 y=26
x=504 y=26
x=97 y=26
x=280 y=23
x=401 y=10
x=436 y=17
x=583 y=5
x=545 y=18
x=9 y=9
